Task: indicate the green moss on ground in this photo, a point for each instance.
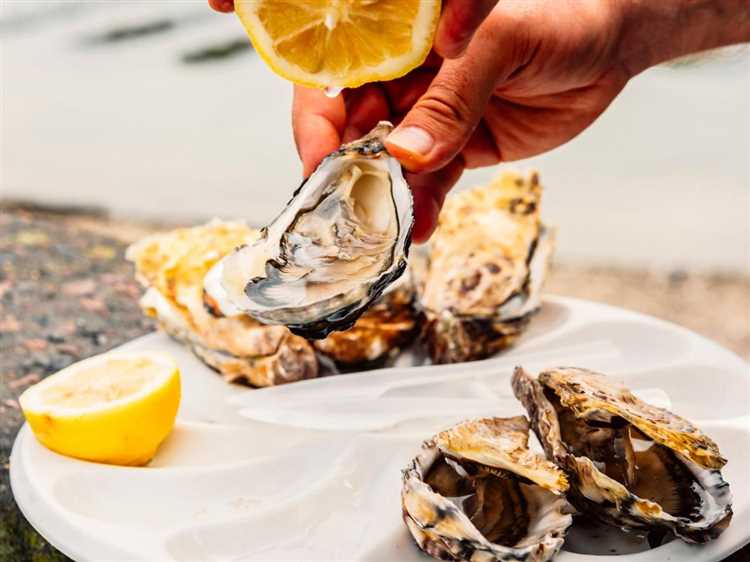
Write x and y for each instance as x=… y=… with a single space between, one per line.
x=18 y=539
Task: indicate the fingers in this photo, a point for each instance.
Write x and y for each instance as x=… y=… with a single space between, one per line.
x=429 y=191
x=545 y=122
x=444 y=118
x=222 y=5
x=458 y=22
x=318 y=123
x=404 y=92
x=365 y=106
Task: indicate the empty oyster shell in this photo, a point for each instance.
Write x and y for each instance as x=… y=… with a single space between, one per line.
x=172 y=265
x=486 y=268
x=377 y=335
x=476 y=492
x=341 y=240
x=630 y=464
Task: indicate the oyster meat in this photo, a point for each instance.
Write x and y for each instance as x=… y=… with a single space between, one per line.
x=172 y=267
x=630 y=464
x=486 y=268
x=476 y=492
x=340 y=241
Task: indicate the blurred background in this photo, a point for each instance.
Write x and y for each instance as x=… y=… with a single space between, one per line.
x=161 y=110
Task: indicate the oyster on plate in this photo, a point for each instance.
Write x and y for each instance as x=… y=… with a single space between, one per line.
x=172 y=267
x=476 y=492
x=486 y=268
x=340 y=241
x=380 y=333
x=630 y=464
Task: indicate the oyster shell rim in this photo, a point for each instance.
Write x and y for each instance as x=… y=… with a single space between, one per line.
x=693 y=443
x=463 y=548
x=343 y=317
x=609 y=500
x=171 y=265
x=454 y=335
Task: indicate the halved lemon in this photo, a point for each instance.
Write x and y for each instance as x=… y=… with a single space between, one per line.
x=340 y=43
x=114 y=408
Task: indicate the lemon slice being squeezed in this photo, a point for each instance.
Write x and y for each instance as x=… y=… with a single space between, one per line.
x=337 y=44
x=114 y=408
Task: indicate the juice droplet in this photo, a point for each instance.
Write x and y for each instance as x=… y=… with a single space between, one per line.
x=332 y=91
x=330 y=21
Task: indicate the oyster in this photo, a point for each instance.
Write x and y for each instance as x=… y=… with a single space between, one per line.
x=341 y=240
x=380 y=333
x=172 y=266
x=488 y=262
x=630 y=464
x=476 y=492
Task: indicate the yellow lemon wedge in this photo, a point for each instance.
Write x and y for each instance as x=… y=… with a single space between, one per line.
x=340 y=43
x=114 y=408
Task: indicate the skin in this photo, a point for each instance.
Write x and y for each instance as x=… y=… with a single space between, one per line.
x=508 y=81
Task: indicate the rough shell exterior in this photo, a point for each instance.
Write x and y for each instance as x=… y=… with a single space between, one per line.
x=380 y=333
x=588 y=425
x=476 y=493
x=586 y=392
x=172 y=265
x=488 y=260
x=371 y=145
x=319 y=265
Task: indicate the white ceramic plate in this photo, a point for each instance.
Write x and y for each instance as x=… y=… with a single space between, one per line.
x=311 y=470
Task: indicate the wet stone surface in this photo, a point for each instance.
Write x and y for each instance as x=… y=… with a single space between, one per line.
x=64 y=295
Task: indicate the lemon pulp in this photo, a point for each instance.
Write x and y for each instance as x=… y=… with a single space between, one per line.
x=340 y=43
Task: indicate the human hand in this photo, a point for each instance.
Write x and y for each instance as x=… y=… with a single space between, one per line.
x=536 y=74
x=459 y=21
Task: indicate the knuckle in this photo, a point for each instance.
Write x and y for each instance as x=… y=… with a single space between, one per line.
x=447 y=105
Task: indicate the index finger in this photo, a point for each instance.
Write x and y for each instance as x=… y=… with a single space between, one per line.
x=222 y=5
x=458 y=22
x=318 y=123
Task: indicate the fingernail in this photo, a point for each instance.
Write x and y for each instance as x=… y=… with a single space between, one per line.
x=414 y=140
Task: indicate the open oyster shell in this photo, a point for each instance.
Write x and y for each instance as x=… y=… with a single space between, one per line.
x=488 y=262
x=341 y=240
x=630 y=464
x=475 y=492
x=380 y=333
x=172 y=266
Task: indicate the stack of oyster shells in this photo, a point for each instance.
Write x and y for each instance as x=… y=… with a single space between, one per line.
x=468 y=295
x=477 y=492
x=327 y=283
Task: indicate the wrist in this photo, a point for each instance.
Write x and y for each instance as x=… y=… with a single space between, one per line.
x=654 y=32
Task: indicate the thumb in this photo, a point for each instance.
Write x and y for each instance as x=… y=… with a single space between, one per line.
x=444 y=118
